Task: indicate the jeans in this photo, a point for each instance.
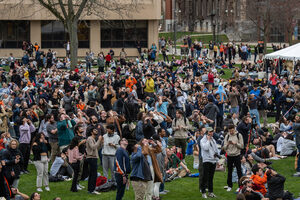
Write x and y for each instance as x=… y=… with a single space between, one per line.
x=88 y=67
x=198 y=53
x=93 y=174
x=120 y=186
x=25 y=149
x=233 y=161
x=42 y=171
x=254 y=112
x=235 y=110
x=182 y=144
x=208 y=177
x=298 y=163
x=76 y=168
x=108 y=163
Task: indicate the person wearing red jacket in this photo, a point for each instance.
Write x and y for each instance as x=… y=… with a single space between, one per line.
x=107 y=59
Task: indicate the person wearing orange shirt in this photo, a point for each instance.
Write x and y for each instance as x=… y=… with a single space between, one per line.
x=221 y=50
x=130 y=81
x=259 y=180
x=80 y=105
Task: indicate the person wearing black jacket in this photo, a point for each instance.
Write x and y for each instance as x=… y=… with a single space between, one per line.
x=262 y=106
x=13 y=160
x=275 y=185
x=5 y=190
x=148 y=126
x=16 y=78
x=243 y=128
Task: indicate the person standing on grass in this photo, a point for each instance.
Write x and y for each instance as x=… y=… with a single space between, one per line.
x=202 y=131
x=92 y=156
x=74 y=160
x=26 y=129
x=110 y=144
x=180 y=126
x=233 y=144
x=53 y=137
x=210 y=154
x=296 y=128
x=122 y=168
x=40 y=151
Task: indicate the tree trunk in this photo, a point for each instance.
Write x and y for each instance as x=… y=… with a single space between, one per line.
x=72 y=30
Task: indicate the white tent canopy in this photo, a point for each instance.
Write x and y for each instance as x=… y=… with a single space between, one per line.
x=289 y=53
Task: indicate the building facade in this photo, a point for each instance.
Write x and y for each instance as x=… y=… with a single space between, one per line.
x=94 y=33
x=231 y=17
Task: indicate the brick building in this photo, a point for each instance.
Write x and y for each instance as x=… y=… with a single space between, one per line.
x=224 y=16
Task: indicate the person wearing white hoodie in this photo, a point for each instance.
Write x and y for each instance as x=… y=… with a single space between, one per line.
x=110 y=146
x=210 y=154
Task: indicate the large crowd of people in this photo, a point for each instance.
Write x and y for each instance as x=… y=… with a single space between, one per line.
x=140 y=118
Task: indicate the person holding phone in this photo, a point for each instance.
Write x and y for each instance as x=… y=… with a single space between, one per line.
x=233 y=144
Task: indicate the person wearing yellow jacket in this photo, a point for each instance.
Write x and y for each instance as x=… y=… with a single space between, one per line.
x=149 y=86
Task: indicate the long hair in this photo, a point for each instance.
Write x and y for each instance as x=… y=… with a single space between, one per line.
x=38 y=137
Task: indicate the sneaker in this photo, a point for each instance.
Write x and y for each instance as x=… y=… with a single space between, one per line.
x=212 y=195
x=225 y=187
x=68 y=179
x=163 y=192
x=47 y=189
x=82 y=187
x=228 y=189
x=166 y=191
x=297 y=174
x=39 y=190
x=94 y=192
x=204 y=196
x=78 y=187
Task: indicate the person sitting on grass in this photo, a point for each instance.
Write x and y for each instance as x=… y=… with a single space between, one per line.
x=60 y=169
x=175 y=167
x=275 y=185
x=35 y=196
x=259 y=179
x=248 y=191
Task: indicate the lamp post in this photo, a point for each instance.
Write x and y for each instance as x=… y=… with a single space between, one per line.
x=175 y=25
x=212 y=15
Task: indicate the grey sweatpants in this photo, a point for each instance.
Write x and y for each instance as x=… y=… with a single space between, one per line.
x=42 y=171
x=108 y=163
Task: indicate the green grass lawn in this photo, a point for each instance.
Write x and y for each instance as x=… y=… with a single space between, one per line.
x=185 y=188
x=179 y=35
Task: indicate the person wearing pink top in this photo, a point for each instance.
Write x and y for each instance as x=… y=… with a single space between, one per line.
x=74 y=159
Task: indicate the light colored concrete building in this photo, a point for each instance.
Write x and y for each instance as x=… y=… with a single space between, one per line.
x=37 y=25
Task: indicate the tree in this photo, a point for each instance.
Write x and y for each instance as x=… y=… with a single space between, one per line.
x=288 y=10
x=69 y=12
x=261 y=13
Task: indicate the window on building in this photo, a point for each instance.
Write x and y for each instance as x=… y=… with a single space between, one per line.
x=13 y=33
x=54 y=34
x=119 y=34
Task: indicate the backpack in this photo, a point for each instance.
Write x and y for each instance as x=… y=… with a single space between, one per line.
x=237 y=135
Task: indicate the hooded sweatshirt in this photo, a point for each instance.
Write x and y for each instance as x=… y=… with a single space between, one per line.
x=233 y=149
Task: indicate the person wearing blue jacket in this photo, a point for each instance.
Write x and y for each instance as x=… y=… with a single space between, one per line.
x=140 y=174
x=122 y=168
